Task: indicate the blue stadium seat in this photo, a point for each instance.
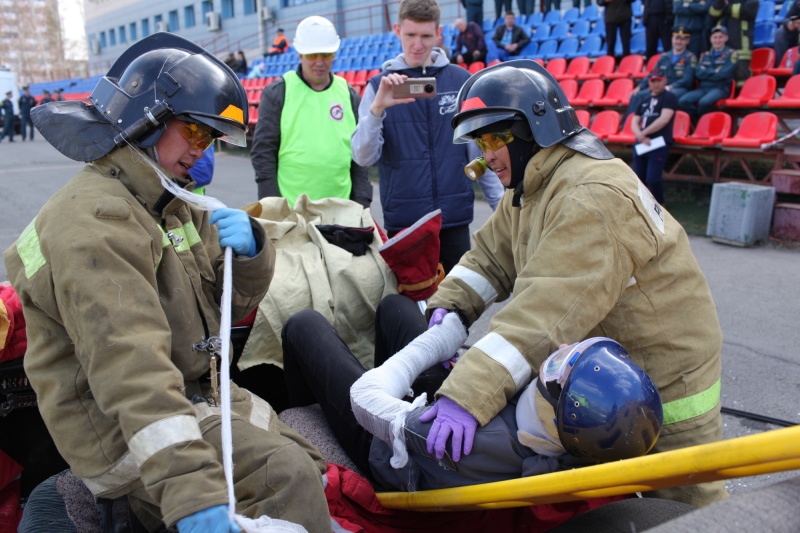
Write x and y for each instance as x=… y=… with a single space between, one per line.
x=591 y=13
x=637 y=9
x=491 y=51
x=531 y=50
x=599 y=29
x=553 y=17
x=637 y=27
x=568 y=48
x=534 y=19
x=764 y=33
x=778 y=19
x=521 y=19
x=581 y=28
x=766 y=11
x=541 y=33
x=488 y=25
x=560 y=31
x=592 y=46
x=638 y=43
x=571 y=15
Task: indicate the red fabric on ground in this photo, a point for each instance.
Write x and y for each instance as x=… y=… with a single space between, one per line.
x=353 y=504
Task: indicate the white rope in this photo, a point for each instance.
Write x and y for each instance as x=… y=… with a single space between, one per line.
x=776 y=141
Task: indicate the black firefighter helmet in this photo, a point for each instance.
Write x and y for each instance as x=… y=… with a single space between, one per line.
x=522 y=89
x=160 y=77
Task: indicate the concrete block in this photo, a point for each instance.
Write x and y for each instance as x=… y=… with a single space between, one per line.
x=740 y=213
x=786 y=222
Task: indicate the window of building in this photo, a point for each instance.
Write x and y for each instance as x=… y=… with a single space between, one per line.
x=122 y=35
x=207 y=6
x=112 y=37
x=145 y=27
x=133 y=31
x=227 y=9
x=173 y=21
x=103 y=42
x=188 y=16
x=250 y=7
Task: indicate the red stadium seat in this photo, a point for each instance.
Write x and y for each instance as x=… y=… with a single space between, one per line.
x=756 y=91
x=763 y=59
x=786 y=66
x=476 y=66
x=618 y=93
x=557 y=67
x=625 y=136
x=583 y=117
x=605 y=123
x=755 y=130
x=629 y=67
x=601 y=67
x=651 y=64
x=681 y=126
x=578 y=65
x=570 y=88
x=790 y=96
x=711 y=129
x=590 y=91
x=360 y=79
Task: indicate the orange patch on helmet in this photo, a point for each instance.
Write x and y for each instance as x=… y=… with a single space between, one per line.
x=234 y=113
x=472 y=103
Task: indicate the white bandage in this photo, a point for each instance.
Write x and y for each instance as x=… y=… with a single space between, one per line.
x=376 y=397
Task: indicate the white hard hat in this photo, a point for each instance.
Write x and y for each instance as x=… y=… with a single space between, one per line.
x=316 y=35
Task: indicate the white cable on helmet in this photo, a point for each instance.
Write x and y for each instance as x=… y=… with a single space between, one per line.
x=376 y=397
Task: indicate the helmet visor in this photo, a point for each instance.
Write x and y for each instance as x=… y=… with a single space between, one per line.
x=558 y=366
x=229 y=130
x=468 y=123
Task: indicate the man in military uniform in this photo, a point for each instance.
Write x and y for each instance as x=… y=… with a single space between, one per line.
x=677 y=65
x=7 y=108
x=715 y=72
x=691 y=15
x=26 y=103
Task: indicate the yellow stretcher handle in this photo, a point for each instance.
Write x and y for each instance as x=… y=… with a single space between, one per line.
x=764 y=453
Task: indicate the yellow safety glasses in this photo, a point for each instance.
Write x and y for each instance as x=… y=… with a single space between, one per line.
x=198 y=135
x=494 y=141
x=325 y=57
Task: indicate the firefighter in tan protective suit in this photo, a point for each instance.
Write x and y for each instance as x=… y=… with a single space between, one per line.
x=586 y=251
x=121 y=285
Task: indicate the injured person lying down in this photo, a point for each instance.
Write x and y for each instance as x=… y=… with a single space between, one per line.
x=589 y=404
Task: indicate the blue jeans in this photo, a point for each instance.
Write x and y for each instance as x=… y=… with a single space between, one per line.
x=701 y=101
x=649 y=167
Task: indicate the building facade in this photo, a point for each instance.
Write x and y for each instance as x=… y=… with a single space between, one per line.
x=31 y=41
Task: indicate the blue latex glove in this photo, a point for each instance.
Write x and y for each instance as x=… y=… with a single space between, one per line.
x=451 y=419
x=211 y=520
x=437 y=316
x=234 y=230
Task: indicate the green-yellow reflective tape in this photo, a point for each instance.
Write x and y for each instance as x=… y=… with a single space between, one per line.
x=692 y=406
x=185 y=237
x=30 y=251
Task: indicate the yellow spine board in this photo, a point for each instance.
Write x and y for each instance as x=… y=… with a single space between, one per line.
x=764 y=453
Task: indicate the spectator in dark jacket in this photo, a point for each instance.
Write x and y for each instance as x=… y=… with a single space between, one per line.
x=510 y=38
x=657 y=19
x=739 y=16
x=787 y=35
x=715 y=73
x=617 y=16
x=470 y=45
x=241 y=65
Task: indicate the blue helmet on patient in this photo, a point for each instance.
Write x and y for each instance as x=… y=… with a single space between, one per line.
x=607 y=407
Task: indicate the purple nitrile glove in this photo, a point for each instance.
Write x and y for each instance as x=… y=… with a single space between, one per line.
x=437 y=316
x=211 y=520
x=451 y=419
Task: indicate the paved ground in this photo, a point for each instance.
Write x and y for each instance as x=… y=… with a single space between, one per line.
x=756 y=289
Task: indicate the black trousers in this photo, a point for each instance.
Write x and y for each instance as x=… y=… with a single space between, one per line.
x=657 y=28
x=319 y=367
x=624 y=35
